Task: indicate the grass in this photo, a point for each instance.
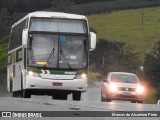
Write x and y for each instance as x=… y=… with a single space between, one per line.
x=150 y=96
x=100 y=7
x=126 y=26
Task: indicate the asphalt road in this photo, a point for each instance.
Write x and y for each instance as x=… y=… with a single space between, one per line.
x=90 y=102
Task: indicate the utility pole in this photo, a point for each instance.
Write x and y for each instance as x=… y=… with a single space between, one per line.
x=103 y=62
x=142 y=16
x=147 y=49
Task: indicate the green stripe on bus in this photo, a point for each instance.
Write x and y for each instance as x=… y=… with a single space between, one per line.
x=60 y=72
x=33 y=69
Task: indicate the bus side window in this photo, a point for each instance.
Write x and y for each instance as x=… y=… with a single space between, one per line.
x=16 y=35
x=13 y=39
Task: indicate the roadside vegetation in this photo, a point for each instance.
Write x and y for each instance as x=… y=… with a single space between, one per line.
x=102 y=6
x=150 y=95
x=126 y=26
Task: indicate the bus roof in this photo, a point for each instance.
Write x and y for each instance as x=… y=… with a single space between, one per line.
x=56 y=15
x=51 y=15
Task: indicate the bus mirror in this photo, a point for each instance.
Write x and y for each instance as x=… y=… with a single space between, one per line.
x=25 y=37
x=92 y=41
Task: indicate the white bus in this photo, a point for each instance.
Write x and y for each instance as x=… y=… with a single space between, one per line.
x=48 y=55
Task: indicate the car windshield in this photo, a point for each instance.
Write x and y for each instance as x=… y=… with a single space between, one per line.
x=125 y=78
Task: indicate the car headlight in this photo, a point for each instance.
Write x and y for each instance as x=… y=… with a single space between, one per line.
x=140 y=89
x=81 y=76
x=112 y=87
x=31 y=73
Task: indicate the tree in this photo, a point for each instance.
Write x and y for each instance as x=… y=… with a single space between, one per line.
x=62 y=5
x=152 y=65
x=113 y=56
x=87 y=1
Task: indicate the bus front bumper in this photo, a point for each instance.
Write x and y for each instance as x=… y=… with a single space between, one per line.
x=33 y=82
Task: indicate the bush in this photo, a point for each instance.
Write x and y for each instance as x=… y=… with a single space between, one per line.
x=150 y=95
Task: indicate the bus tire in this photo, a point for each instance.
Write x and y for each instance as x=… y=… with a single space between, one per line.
x=21 y=91
x=26 y=94
x=76 y=95
x=60 y=96
x=11 y=85
x=15 y=93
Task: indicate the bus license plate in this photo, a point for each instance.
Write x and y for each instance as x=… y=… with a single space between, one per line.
x=56 y=84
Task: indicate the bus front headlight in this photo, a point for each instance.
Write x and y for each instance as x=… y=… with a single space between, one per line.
x=31 y=73
x=81 y=76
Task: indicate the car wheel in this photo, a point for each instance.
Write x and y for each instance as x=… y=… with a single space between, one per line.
x=76 y=95
x=102 y=98
x=140 y=101
x=108 y=100
x=133 y=101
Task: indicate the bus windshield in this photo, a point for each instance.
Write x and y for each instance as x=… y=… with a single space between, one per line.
x=58 y=25
x=57 y=51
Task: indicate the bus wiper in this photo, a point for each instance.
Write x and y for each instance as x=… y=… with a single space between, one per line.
x=51 y=53
x=65 y=59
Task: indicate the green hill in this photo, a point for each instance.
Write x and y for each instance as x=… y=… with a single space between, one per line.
x=126 y=26
x=100 y=6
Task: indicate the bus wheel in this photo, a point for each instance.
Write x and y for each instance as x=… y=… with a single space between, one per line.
x=76 y=95
x=25 y=94
x=11 y=85
x=15 y=94
x=60 y=96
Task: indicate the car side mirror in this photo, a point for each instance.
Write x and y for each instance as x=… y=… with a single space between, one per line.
x=25 y=37
x=92 y=42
